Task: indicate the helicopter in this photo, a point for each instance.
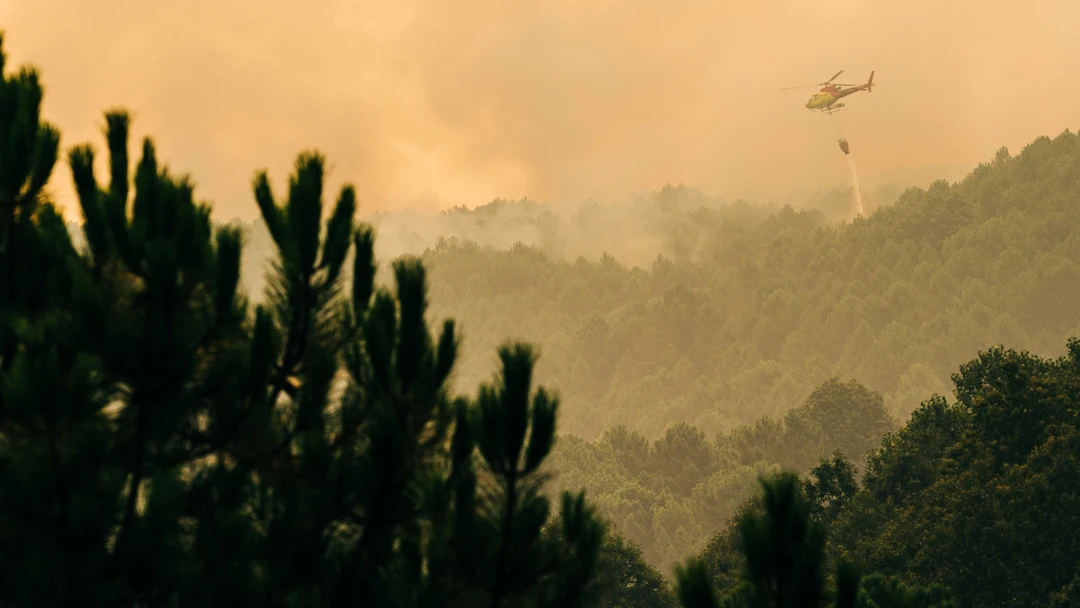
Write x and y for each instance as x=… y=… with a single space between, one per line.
x=826 y=99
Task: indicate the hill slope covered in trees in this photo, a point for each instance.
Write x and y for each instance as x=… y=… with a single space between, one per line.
x=773 y=306
x=669 y=495
x=749 y=307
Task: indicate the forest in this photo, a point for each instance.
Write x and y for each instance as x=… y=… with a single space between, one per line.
x=779 y=408
x=748 y=308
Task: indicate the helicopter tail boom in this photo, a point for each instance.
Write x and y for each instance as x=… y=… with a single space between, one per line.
x=870 y=83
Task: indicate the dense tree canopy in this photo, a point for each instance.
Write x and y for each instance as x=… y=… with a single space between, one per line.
x=993 y=474
x=980 y=495
x=750 y=308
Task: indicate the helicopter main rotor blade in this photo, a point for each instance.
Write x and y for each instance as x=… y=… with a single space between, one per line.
x=821 y=84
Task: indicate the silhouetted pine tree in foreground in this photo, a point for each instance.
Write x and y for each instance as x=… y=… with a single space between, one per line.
x=784 y=556
x=163 y=445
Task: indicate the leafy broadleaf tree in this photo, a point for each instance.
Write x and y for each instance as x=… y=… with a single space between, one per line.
x=992 y=474
x=830 y=487
x=626 y=581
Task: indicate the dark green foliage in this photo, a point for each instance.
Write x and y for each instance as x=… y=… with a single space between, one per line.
x=884 y=592
x=626 y=581
x=694 y=588
x=28 y=153
x=108 y=370
x=784 y=548
x=1069 y=596
x=993 y=474
x=847 y=586
x=830 y=487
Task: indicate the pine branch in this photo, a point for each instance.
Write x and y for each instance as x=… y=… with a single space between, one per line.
x=65 y=519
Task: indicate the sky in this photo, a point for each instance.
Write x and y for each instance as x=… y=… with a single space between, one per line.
x=424 y=104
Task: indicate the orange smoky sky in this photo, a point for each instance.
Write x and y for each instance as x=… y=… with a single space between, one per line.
x=424 y=104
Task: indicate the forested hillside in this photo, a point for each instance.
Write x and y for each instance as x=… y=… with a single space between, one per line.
x=749 y=308
x=669 y=495
x=771 y=307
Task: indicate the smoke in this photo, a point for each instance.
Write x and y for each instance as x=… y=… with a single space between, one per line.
x=856 y=192
x=680 y=223
x=633 y=230
x=424 y=105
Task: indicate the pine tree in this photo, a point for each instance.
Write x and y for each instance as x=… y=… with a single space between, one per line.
x=783 y=547
x=119 y=364
x=784 y=552
x=500 y=512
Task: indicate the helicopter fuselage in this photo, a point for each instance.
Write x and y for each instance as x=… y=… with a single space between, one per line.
x=829 y=95
x=820 y=100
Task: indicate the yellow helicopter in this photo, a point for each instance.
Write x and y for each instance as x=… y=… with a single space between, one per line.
x=826 y=99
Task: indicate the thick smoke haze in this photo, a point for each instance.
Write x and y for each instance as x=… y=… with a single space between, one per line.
x=425 y=105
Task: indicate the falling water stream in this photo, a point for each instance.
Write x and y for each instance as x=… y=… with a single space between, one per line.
x=856 y=192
